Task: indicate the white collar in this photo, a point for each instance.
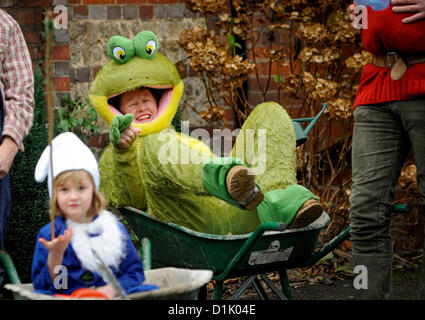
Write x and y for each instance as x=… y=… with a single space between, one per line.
x=106 y=239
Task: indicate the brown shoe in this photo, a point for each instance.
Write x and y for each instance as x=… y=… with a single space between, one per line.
x=240 y=184
x=309 y=212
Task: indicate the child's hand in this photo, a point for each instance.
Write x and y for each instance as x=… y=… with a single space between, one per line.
x=107 y=290
x=58 y=245
x=128 y=136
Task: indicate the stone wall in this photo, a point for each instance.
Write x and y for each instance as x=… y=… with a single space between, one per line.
x=80 y=49
x=92 y=23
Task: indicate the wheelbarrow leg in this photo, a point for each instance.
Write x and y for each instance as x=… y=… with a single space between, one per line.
x=259 y=288
x=218 y=290
x=271 y=285
x=243 y=287
x=284 y=281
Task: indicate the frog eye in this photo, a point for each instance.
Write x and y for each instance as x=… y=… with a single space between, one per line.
x=120 y=49
x=150 y=47
x=146 y=44
x=119 y=53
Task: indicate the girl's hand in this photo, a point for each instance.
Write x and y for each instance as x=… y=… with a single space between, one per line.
x=56 y=249
x=58 y=245
x=107 y=290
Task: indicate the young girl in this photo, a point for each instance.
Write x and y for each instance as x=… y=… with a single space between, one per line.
x=81 y=226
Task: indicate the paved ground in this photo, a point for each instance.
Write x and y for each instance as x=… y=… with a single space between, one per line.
x=405 y=287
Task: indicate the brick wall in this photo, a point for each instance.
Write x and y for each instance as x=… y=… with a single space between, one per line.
x=93 y=22
x=30 y=14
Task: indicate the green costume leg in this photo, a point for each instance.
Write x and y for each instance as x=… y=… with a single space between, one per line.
x=266 y=144
x=175 y=191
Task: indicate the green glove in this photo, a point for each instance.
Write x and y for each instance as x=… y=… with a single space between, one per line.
x=118 y=125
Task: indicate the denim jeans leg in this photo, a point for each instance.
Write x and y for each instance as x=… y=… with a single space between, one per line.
x=413 y=115
x=380 y=146
x=4 y=208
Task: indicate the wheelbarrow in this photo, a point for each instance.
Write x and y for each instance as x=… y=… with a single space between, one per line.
x=173 y=283
x=269 y=248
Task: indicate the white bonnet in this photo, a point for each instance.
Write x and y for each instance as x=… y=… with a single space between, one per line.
x=69 y=153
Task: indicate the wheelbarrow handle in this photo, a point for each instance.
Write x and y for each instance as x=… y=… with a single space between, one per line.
x=335 y=242
x=270 y=226
x=10 y=267
x=401 y=208
x=246 y=247
x=345 y=235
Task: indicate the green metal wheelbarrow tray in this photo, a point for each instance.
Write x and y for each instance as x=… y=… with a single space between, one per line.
x=268 y=248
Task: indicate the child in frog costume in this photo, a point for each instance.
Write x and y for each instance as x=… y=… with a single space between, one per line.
x=214 y=194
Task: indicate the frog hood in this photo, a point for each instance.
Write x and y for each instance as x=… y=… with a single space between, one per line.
x=137 y=63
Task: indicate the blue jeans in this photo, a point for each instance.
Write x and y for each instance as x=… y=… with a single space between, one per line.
x=383 y=135
x=5 y=197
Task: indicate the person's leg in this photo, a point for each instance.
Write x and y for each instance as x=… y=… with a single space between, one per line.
x=379 y=150
x=413 y=113
x=4 y=208
x=4 y=216
x=266 y=144
x=5 y=199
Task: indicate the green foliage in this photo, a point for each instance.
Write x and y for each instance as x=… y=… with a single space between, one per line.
x=78 y=117
x=30 y=201
x=231 y=41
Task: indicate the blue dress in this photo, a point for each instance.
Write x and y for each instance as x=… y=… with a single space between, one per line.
x=130 y=274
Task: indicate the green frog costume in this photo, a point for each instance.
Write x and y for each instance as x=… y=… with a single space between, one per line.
x=153 y=175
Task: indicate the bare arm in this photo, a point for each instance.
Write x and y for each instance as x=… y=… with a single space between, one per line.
x=8 y=151
x=17 y=81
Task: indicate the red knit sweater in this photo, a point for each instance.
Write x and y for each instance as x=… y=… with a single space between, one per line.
x=386 y=32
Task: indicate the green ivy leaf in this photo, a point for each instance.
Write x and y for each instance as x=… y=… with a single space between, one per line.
x=61 y=112
x=73 y=122
x=230 y=39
